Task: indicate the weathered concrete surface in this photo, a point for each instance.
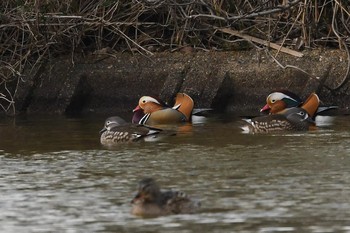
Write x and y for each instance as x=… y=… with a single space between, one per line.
x=238 y=82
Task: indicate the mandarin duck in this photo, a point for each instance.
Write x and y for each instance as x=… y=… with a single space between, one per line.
x=288 y=119
x=151 y=111
x=116 y=130
x=280 y=100
x=292 y=119
x=150 y=201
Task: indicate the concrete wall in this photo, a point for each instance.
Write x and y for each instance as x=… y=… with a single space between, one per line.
x=226 y=81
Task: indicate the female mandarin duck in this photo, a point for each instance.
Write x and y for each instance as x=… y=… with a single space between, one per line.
x=116 y=130
x=287 y=119
x=280 y=100
x=291 y=119
x=150 y=201
x=151 y=111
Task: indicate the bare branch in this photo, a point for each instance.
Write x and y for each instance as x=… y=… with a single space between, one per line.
x=32 y=32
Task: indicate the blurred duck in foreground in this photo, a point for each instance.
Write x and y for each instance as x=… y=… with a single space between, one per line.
x=151 y=111
x=116 y=131
x=278 y=101
x=150 y=201
x=288 y=119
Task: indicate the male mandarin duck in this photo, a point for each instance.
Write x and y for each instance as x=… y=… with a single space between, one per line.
x=150 y=201
x=280 y=100
x=116 y=130
x=287 y=119
x=151 y=111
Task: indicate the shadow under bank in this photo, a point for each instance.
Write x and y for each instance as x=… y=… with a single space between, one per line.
x=236 y=82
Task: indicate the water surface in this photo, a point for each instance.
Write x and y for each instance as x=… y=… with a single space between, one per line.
x=56 y=177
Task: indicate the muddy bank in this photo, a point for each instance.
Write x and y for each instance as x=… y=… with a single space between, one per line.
x=106 y=82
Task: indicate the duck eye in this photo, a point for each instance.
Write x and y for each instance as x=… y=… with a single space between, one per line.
x=108 y=122
x=273 y=101
x=143 y=101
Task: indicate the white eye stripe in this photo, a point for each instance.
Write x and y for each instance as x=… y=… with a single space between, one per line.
x=279 y=96
x=146 y=99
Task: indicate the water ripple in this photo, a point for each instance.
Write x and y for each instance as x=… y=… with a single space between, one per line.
x=246 y=183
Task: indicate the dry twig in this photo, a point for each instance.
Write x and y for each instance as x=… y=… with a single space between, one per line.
x=31 y=32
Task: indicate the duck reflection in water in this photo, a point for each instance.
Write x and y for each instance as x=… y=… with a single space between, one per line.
x=150 y=201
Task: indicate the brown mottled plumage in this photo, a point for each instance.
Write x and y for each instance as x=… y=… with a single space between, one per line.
x=150 y=201
x=116 y=130
x=292 y=119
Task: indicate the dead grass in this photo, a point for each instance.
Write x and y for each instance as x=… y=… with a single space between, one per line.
x=32 y=32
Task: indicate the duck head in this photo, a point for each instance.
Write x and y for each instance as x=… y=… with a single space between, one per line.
x=280 y=100
x=148 y=192
x=111 y=122
x=148 y=104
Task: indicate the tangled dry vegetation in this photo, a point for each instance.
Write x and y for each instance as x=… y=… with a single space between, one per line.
x=32 y=32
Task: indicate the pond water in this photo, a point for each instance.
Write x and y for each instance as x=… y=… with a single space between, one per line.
x=56 y=177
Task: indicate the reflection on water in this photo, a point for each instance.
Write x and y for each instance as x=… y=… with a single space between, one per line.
x=56 y=177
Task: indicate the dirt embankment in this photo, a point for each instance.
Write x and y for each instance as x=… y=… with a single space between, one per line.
x=107 y=82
